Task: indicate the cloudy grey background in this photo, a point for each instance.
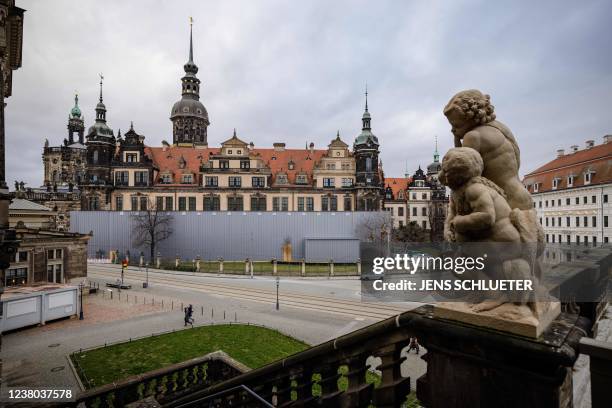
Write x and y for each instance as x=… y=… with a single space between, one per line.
x=295 y=71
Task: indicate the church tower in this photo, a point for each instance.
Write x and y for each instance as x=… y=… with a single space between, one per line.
x=76 y=124
x=189 y=116
x=368 y=183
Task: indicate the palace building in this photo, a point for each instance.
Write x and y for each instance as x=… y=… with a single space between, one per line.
x=122 y=173
x=571 y=194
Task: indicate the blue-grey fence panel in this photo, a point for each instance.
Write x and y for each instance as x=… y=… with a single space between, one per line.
x=336 y=249
x=230 y=235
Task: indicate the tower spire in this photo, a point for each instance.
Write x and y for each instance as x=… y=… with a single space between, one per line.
x=101 y=79
x=436 y=156
x=191 y=39
x=366 y=96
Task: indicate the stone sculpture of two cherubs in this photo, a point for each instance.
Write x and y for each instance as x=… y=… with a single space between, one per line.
x=488 y=201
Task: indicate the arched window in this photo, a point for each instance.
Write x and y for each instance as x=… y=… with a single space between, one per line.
x=368 y=164
x=95 y=156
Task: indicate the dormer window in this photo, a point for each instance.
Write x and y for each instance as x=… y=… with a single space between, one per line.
x=166 y=179
x=535 y=187
x=570 y=180
x=187 y=179
x=555 y=183
x=224 y=164
x=301 y=179
x=401 y=194
x=245 y=164
x=588 y=176
x=230 y=151
x=131 y=157
x=281 y=179
x=238 y=151
x=291 y=165
x=331 y=166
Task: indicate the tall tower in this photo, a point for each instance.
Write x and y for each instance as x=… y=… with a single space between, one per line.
x=76 y=124
x=100 y=149
x=369 y=184
x=189 y=116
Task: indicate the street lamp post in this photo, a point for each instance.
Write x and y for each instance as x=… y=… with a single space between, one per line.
x=146 y=285
x=81 y=287
x=277 y=284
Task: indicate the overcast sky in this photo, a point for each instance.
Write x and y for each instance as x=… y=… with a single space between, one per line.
x=295 y=71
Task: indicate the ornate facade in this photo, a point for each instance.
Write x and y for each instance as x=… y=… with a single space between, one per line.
x=122 y=173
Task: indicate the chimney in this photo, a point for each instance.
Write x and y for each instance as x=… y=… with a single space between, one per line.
x=279 y=147
x=607 y=139
x=311 y=147
x=165 y=145
x=590 y=143
x=560 y=153
x=574 y=148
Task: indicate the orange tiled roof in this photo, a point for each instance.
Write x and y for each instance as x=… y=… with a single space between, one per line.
x=397 y=184
x=597 y=159
x=168 y=160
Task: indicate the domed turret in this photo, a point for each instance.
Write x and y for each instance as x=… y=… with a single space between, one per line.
x=75 y=112
x=188 y=115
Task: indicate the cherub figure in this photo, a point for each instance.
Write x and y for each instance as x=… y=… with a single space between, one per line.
x=478 y=212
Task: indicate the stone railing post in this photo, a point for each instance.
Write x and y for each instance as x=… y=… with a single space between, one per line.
x=158 y=261
x=303 y=267
x=393 y=387
x=358 y=392
x=141 y=260
x=329 y=385
x=198 y=261
x=274 y=267
x=331 y=268
x=358 y=266
x=177 y=261
x=220 y=265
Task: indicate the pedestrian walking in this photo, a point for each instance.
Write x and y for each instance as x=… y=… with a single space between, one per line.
x=414 y=345
x=189 y=315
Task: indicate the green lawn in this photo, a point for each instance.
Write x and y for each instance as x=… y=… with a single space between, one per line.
x=112 y=363
x=264 y=267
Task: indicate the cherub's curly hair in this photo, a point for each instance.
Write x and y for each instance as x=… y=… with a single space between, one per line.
x=474 y=105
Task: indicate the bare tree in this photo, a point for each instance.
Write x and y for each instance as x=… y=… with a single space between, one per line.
x=150 y=227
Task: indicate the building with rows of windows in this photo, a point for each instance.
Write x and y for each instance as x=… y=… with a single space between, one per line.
x=572 y=194
x=122 y=173
x=419 y=199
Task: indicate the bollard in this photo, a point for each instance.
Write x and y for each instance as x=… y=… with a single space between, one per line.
x=202 y=310
x=158 y=261
x=358 y=266
x=303 y=267
x=220 y=265
x=246 y=267
x=331 y=268
x=173 y=305
x=235 y=317
x=177 y=261
x=198 y=260
x=274 y=266
x=212 y=313
x=224 y=315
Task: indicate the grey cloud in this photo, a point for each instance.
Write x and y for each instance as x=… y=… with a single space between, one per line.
x=295 y=71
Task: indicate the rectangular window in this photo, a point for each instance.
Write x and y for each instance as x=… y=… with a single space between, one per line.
x=577 y=239
x=424 y=196
x=141 y=178
x=143 y=203
x=347 y=182
x=245 y=164
x=577 y=200
x=606 y=221
x=134 y=202
x=192 y=203
x=577 y=221
x=166 y=178
x=159 y=203
x=224 y=164
x=567 y=221
x=567 y=201
x=586 y=221
x=594 y=241
x=424 y=224
x=594 y=222
x=212 y=204
x=300 y=204
x=559 y=202
x=281 y=179
x=121 y=178
x=258 y=204
x=16 y=277
x=547 y=221
x=567 y=239
x=593 y=199
x=258 y=182
x=424 y=211
x=187 y=179
x=309 y=204
x=584 y=200
x=235 y=181
x=119 y=203
x=182 y=203
x=325 y=203
x=605 y=198
x=169 y=204
x=348 y=204
x=131 y=157
x=414 y=211
x=235 y=204
x=301 y=179
x=211 y=181
x=400 y=211
x=328 y=182
x=280 y=204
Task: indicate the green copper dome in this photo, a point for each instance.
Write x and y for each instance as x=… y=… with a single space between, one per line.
x=75 y=112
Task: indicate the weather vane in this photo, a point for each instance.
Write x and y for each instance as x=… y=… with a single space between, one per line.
x=190 y=20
